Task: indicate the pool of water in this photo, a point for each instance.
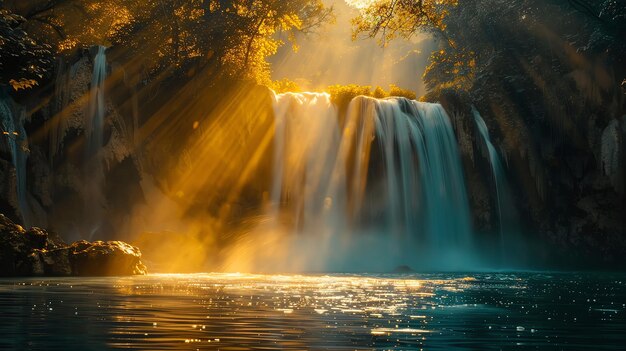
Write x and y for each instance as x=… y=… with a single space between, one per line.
x=512 y=311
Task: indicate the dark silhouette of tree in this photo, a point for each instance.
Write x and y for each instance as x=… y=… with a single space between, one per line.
x=23 y=61
x=233 y=38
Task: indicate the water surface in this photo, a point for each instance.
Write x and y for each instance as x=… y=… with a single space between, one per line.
x=521 y=311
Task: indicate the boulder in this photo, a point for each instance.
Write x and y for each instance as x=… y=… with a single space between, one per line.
x=56 y=262
x=35 y=252
x=105 y=258
x=36 y=264
x=14 y=248
x=37 y=238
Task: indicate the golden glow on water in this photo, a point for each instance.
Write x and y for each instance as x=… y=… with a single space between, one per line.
x=234 y=309
x=389 y=331
x=237 y=311
x=370 y=296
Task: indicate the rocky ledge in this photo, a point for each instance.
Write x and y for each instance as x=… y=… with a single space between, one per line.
x=35 y=252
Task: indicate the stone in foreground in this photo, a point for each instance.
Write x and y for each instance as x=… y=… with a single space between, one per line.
x=106 y=258
x=35 y=252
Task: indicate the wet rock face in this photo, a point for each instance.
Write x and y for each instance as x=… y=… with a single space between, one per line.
x=35 y=252
x=54 y=262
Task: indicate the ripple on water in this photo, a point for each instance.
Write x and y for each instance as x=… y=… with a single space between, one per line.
x=295 y=312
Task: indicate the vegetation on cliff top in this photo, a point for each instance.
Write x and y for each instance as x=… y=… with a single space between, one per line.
x=342 y=94
x=179 y=37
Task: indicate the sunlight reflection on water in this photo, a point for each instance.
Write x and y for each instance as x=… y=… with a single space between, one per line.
x=295 y=312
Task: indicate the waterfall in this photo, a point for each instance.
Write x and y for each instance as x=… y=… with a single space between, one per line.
x=511 y=244
x=17 y=140
x=94 y=123
x=494 y=161
x=385 y=179
x=610 y=152
x=94 y=126
x=306 y=151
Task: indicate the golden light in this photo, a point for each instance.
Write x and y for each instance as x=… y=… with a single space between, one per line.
x=359 y=4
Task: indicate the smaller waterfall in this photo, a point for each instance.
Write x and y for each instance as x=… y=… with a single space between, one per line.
x=494 y=161
x=94 y=130
x=511 y=243
x=96 y=111
x=611 y=152
x=17 y=140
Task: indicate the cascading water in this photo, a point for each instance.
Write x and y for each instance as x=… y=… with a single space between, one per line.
x=385 y=179
x=306 y=177
x=94 y=125
x=13 y=131
x=96 y=110
x=494 y=160
x=510 y=241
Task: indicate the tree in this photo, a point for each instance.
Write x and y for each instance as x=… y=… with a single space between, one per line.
x=480 y=38
x=388 y=19
x=24 y=62
x=232 y=38
x=70 y=24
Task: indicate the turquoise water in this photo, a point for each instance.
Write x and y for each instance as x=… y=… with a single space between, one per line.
x=521 y=311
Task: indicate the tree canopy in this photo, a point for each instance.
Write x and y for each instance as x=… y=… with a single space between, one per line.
x=497 y=37
x=388 y=19
x=23 y=60
x=233 y=38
